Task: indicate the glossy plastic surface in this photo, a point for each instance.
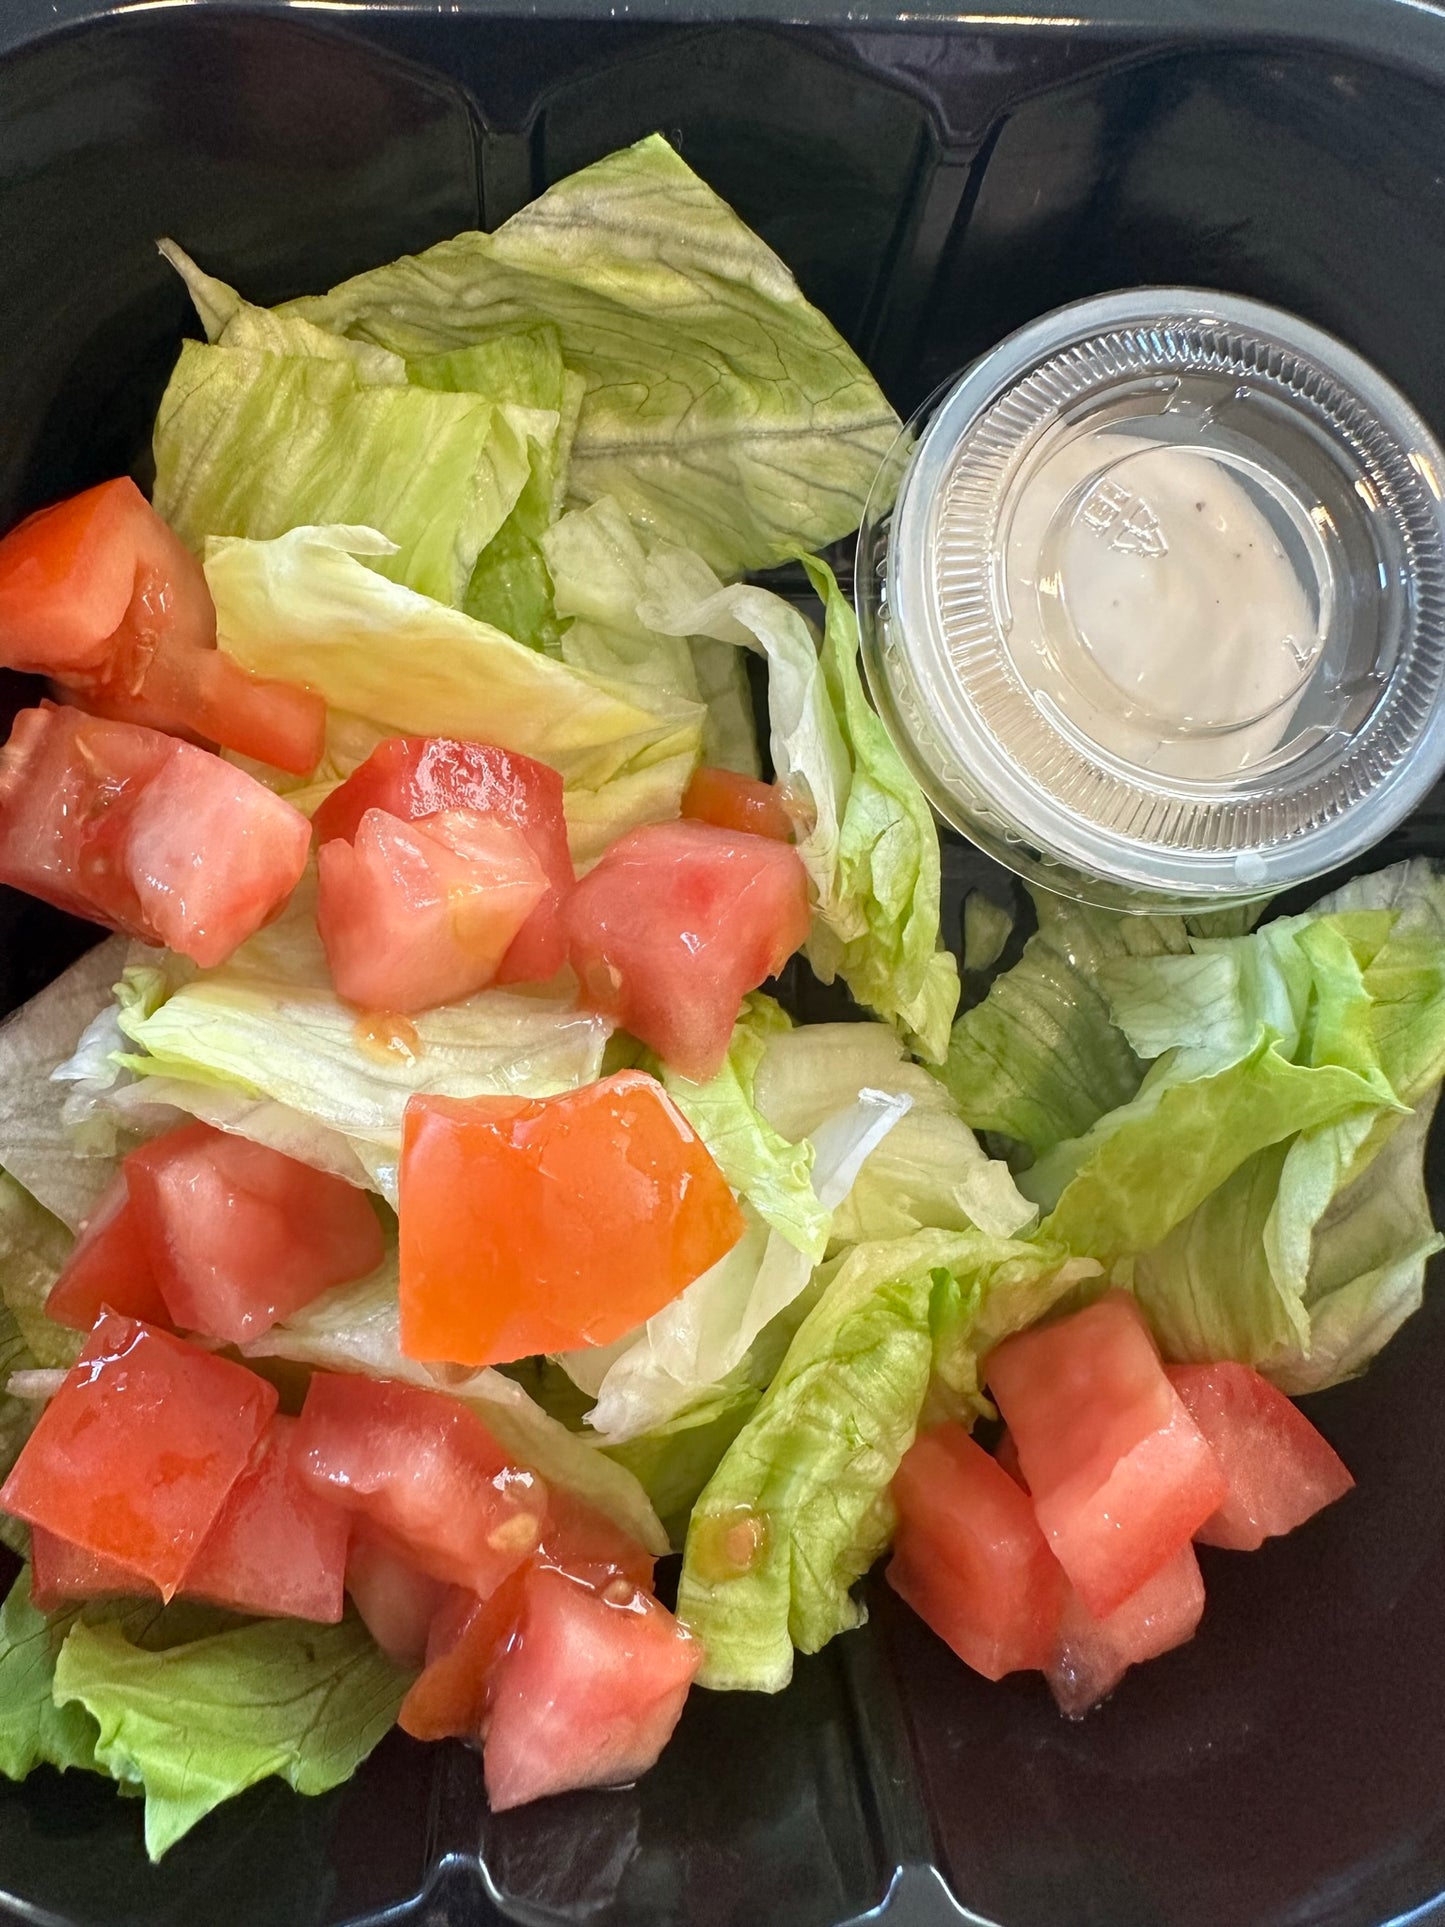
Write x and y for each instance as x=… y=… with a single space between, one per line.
x=935 y=182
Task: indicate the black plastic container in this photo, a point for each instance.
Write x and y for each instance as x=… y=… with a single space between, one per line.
x=935 y=177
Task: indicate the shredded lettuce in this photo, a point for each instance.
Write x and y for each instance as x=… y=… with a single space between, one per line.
x=929 y=1172
x=721 y=410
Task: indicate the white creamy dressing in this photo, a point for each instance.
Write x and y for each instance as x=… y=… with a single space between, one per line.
x=1151 y=605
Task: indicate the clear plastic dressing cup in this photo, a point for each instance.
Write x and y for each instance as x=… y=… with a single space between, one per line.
x=1153 y=601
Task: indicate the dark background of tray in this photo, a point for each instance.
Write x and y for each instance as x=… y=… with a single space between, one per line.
x=933 y=180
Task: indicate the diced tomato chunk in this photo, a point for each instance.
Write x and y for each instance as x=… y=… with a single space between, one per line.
x=1006 y=1454
x=735 y=802
x=135 y=1455
x=418 y=914
x=587 y=1692
x=415 y=777
x=61 y=1573
x=1121 y=1476
x=108 y=1266
x=585 y=1542
x=538 y=1225
x=143 y=833
x=277 y=1547
x=451 y=1696
x=676 y=924
x=1093 y=1655
x=422 y=1469
x=398 y=1603
x=98 y=592
x=1280 y=1470
x=239 y=1235
x=969 y=1556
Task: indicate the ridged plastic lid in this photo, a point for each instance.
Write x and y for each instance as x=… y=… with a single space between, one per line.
x=1159 y=609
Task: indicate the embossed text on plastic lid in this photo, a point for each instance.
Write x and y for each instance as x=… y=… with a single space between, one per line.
x=1157 y=612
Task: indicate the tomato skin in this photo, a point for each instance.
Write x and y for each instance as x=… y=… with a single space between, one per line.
x=136 y=1453
x=108 y=1266
x=1093 y=1655
x=676 y=924
x=239 y=1235
x=98 y=592
x=733 y=802
x=539 y=1225
x=61 y=1573
x=1121 y=1476
x=412 y=915
x=422 y=1469
x=147 y=835
x=416 y=777
x=1280 y=1470
x=969 y=1556
x=398 y=1603
x=451 y=1697
x=276 y=1548
x=586 y=1693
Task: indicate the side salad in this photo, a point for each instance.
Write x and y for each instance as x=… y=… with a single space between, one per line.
x=417 y=1218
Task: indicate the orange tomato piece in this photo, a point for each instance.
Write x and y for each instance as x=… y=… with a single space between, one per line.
x=541 y=1225
x=735 y=802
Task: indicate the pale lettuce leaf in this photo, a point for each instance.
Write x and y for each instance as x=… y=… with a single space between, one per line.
x=722 y=411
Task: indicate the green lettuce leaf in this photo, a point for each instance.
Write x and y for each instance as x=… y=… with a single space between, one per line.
x=866 y=836
x=598 y=562
x=1040 y=1059
x=510 y=585
x=200 y=1722
x=36 y=1041
x=929 y=1171
x=305 y=608
x=1312 y=1254
x=987 y=927
x=256 y=444
x=34 y=1730
x=357 y=1328
x=33 y=1248
x=764 y=1166
x=721 y=409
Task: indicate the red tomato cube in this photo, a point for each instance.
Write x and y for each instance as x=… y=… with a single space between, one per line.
x=1280 y=1470
x=1092 y=1655
x=135 y=1455
x=423 y=1470
x=587 y=1693
x=277 y=1547
x=969 y=1556
x=1121 y=1476
x=415 y=777
x=676 y=924
x=539 y=1225
x=108 y=1266
x=418 y=914
x=99 y=593
x=61 y=1573
x=239 y=1235
x=150 y=836
x=585 y=1542
x=734 y=802
x=396 y=1600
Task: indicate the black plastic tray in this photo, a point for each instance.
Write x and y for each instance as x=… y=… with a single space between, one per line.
x=934 y=176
